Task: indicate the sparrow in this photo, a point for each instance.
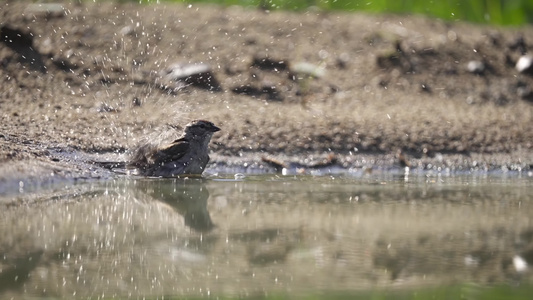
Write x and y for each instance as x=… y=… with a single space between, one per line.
x=187 y=155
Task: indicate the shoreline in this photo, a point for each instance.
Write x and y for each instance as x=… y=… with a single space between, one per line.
x=25 y=177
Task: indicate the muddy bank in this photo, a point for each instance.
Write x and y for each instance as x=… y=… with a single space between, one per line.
x=98 y=78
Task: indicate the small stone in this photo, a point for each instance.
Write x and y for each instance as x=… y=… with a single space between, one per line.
x=246 y=89
x=424 y=87
x=197 y=74
x=64 y=63
x=475 y=67
x=136 y=101
x=127 y=30
x=308 y=69
x=524 y=63
x=239 y=176
x=46 y=10
x=343 y=60
x=268 y=63
x=519 y=264
x=104 y=107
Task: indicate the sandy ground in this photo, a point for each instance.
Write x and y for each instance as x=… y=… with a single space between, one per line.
x=100 y=78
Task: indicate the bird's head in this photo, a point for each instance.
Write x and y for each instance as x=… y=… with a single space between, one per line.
x=200 y=128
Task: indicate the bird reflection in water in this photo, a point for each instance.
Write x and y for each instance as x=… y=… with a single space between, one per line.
x=188 y=197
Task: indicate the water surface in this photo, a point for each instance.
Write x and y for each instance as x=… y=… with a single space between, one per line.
x=266 y=235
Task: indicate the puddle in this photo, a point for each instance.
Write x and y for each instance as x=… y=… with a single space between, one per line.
x=264 y=235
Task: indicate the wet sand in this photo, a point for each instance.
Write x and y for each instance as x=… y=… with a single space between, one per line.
x=92 y=80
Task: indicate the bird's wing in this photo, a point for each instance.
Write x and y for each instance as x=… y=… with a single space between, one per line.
x=141 y=155
x=172 y=152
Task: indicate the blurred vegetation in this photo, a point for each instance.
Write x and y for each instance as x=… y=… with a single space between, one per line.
x=465 y=291
x=496 y=12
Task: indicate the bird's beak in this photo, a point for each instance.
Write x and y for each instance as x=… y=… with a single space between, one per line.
x=215 y=129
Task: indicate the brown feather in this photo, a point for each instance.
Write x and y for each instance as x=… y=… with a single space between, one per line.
x=171 y=152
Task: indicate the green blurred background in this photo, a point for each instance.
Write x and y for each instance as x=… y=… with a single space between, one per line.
x=497 y=12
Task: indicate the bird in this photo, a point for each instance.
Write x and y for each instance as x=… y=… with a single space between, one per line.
x=187 y=155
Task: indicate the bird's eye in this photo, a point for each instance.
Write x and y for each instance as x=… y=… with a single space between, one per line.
x=202 y=125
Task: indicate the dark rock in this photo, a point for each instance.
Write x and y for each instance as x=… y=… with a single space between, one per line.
x=395 y=59
x=246 y=90
x=105 y=79
x=64 y=64
x=519 y=44
x=136 y=101
x=267 y=63
x=343 y=60
x=524 y=91
x=266 y=89
x=22 y=43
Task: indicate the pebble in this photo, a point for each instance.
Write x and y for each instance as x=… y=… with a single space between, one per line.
x=197 y=74
x=239 y=176
x=127 y=30
x=308 y=69
x=267 y=63
x=46 y=10
x=520 y=264
x=475 y=67
x=524 y=63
